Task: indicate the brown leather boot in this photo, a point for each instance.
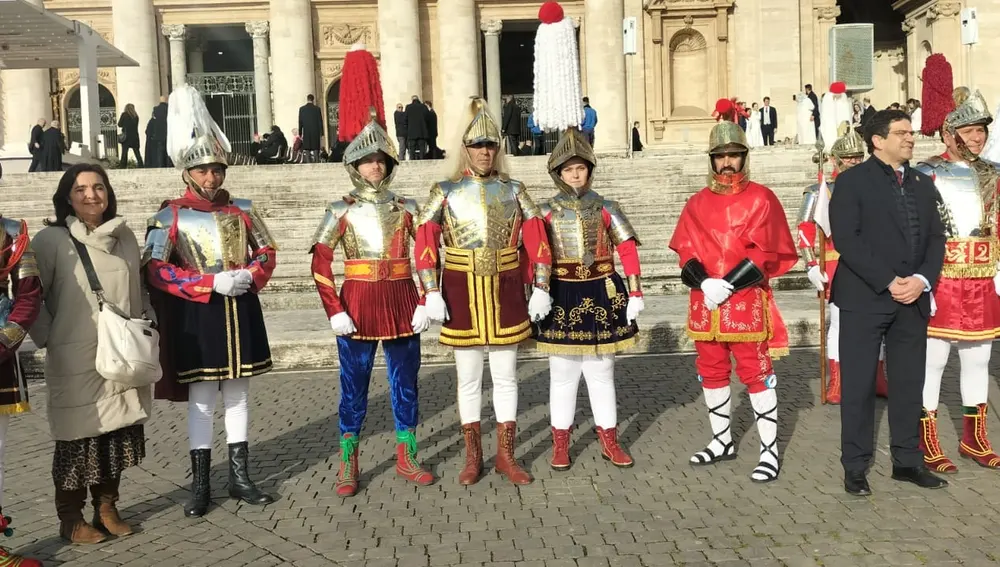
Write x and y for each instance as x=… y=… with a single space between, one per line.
x=72 y=527
x=473 y=469
x=505 y=463
x=106 y=517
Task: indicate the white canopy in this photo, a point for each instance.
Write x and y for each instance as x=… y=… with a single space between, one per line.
x=34 y=38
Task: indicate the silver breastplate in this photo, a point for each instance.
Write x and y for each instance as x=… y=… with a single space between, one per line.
x=578 y=233
x=210 y=243
x=481 y=213
x=375 y=231
x=961 y=204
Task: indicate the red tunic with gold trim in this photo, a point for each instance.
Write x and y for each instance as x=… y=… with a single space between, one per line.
x=17 y=265
x=374 y=229
x=720 y=231
x=488 y=225
x=968 y=308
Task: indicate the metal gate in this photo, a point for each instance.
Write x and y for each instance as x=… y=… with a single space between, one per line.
x=231 y=100
x=526 y=102
x=109 y=128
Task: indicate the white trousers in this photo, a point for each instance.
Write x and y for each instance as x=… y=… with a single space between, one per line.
x=503 y=371
x=564 y=380
x=201 y=411
x=974 y=376
x=833 y=336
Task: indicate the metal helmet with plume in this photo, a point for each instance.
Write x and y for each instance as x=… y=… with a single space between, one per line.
x=193 y=137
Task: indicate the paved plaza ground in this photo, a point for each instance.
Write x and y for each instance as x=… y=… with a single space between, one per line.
x=661 y=512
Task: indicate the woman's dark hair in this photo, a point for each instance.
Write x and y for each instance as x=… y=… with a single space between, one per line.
x=879 y=125
x=60 y=200
x=130 y=110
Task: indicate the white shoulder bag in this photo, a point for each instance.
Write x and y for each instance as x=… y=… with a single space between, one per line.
x=128 y=350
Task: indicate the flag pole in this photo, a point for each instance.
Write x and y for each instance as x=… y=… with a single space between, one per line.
x=820 y=159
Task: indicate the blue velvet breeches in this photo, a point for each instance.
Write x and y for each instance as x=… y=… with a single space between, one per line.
x=402 y=357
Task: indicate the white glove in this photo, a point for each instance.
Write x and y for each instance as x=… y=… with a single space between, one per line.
x=635 y=306
x=818 y=278
x=539 y=305
x=229 y=283
x=420 y=320
x=996 y=280
x=342 y=325
x=934 y=303
x=717 y=291
x=436 y=309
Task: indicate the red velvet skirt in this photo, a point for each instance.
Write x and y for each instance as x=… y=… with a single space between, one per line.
x=381 y=310
x=968 y=309
x=484 y=310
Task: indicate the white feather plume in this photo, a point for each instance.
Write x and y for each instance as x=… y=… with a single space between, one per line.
x=558 y=95
x=187 y=119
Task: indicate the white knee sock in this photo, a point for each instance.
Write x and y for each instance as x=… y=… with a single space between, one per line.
x=4 y=422
x=201 y=410
x=469 y=366
x=833 y=335
x=564 y=380
x=599 y=372
x=975 y=372
x=236 y=398
x=765 y=408
x=503 y=371
x=937 y=358
x=719 y=404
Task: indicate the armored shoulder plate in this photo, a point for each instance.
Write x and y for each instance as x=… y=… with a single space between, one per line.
x=529 y=209
x=327 y=233
x=410 y=206
x=432 y=210
x=621 y=229
x=545 y=208
x=260 y=236
x=158 y=245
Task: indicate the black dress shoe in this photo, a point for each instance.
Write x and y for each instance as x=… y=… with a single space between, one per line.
x=857 y=484
x=919 y=476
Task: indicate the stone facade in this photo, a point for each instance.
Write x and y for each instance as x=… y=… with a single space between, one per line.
x=690 y=53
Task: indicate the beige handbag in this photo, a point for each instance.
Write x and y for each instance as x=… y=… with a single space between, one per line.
x=128 y=350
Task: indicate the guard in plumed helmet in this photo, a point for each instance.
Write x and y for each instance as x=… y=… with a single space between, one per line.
x=378 y=302
x=207 y=256
x=965 y=308
x=845 y=153
x=493 y=233
x=732 y=238
x=593 y=311
x=20 y=304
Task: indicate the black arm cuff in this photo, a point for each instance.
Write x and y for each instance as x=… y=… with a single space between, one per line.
x=744 y=275
x=693 y=274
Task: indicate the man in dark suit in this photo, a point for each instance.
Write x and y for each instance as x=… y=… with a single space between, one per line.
x=416 y=128
x=867 y=112
x=399 y=119
x=432 y=131
x=311 y=130
x=511 y=124
x=886 y=225
x=768 y=121
x=35 y=144
x=815 y=100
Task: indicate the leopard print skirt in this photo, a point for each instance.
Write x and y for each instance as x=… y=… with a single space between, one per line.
x=86 y=462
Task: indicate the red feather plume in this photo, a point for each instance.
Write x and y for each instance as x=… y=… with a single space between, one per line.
x=360 y=90
x=936 y=99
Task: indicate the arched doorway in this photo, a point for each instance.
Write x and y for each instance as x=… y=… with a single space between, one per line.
x=333 y=119
x=688 y=73
x=108 y=118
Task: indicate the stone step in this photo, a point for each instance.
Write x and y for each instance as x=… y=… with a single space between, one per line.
x=301 y=338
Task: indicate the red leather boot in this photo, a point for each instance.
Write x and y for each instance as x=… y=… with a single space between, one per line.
x=506 y=465
x=347 y=478
x=974 y=443
x=406 y=459
x=934 y=458
x=560 y=449
x=611 y=450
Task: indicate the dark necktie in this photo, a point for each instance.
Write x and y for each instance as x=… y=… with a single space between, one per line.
x=899 y=178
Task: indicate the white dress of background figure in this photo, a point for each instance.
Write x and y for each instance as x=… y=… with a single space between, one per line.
x=991 y=151
x=834 y=109
x=804 y=119
x=754 y=135
x=917 y=119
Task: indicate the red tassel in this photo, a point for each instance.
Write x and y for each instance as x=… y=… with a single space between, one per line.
x=936 y=100
x=360 y=89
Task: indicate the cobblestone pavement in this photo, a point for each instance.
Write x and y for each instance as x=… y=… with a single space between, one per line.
x=661 y=512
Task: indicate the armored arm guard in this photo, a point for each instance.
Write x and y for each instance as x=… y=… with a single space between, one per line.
x=621 y=229
x=328 y=232
x=534 y=236
x=158 y=244
x=260 y=236
x=744 y=275
x=427 y=239
x=411 y=207
x=625 y=240
x=807 y=225
x=433 y=209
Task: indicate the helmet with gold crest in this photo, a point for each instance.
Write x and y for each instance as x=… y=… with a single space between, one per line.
x=361 y=119
x=558 y=100
x=728 y=139
x=848 y=149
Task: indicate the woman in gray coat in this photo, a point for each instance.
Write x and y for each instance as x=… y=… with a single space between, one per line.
x=96 y=423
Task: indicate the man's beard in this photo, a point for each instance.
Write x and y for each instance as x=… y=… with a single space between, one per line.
x=727 y=170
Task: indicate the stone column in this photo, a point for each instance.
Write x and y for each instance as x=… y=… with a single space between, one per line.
x=177 y=33
x=946 y=29
x=399 y=47
x=459 y=65
x=261 y=73
x=24 y=96
x=293 y=60
x=135 y=34
x=89 y=95
x=606 y=63
x=913 y=86
x=826 y=18
x=491 y=29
